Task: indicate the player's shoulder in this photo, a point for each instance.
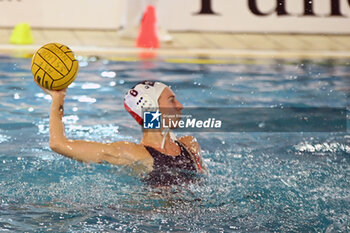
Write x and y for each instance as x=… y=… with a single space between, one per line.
x=136 y=150
x=189 y=141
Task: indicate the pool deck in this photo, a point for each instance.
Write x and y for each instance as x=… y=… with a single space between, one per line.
x=189 y=44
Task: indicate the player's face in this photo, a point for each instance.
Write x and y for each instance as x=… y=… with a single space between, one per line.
x=169 y=106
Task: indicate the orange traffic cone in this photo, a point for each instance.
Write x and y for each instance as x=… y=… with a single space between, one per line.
x=148 y=37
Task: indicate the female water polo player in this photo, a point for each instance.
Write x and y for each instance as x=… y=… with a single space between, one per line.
x=159 y=151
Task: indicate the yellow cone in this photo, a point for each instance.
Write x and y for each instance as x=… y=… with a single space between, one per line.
x=21 y=34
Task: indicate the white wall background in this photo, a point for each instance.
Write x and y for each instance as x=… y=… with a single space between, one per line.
x=62 y=13
x=233 y=15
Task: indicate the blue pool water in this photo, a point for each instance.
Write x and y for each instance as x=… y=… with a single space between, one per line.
x=258 y=181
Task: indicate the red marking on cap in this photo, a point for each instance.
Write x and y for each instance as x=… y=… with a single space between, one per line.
x=134 y=114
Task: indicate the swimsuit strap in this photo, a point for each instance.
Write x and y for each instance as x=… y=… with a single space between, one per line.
x=185 y=153
x=194 y=157
x=166 y=168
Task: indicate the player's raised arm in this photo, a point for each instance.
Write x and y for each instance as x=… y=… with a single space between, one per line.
x=119 y=153
x=82 y=151
x=54 y=67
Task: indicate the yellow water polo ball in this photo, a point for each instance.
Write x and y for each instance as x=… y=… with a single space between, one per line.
x=54 y=66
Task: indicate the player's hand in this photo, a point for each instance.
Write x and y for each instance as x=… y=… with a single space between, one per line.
x=52 y=93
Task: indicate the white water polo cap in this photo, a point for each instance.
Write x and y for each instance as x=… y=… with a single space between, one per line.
x=143 y=95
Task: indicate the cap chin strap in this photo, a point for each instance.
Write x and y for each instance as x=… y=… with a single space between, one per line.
x=171 y=134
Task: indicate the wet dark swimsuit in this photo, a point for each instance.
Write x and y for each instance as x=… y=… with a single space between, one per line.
x=170 y=170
